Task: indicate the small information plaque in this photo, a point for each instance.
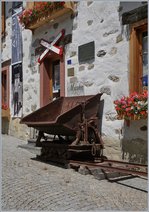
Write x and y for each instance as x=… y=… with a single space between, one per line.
x=86 y=52
x=70 y=72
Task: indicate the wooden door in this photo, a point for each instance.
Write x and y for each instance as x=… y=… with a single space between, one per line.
x=52 y=79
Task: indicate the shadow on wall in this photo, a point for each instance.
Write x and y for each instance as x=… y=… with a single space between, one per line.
x=134 y=143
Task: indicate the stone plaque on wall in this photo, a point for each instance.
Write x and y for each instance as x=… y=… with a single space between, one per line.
x=70 y=72
x=86 y=52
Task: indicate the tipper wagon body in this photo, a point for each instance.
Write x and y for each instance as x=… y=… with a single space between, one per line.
x=73 y=119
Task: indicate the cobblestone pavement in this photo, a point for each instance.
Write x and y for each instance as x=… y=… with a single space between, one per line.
x=31 y=185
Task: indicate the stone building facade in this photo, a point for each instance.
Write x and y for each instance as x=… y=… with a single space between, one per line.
x=105 y=28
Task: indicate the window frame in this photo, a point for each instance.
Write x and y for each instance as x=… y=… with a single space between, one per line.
x=136 y=63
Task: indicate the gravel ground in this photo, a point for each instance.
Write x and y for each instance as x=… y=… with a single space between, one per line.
x=28 y=185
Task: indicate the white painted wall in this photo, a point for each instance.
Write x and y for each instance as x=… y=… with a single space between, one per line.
x=104 y=29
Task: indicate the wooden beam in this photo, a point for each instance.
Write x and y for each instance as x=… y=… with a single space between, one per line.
x=135 y=49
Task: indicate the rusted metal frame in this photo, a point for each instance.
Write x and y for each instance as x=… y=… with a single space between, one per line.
x=92 y=124
x=83 y=128
x=85 y=125
x=40 y=136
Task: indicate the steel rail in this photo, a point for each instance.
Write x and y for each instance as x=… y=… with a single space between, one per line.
x=122 y=162
x=110 y=168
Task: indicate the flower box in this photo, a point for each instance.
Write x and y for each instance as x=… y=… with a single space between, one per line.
x=132 y=117
x=36 y=17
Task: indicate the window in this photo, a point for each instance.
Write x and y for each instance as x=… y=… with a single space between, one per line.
x=17 y=4
x=56 y=75
x=145 y=54
x=5 y=86
x=56 y=79
x=138 y=56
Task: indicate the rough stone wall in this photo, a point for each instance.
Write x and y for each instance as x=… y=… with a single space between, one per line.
x=6 y=40
x=18 y=130
x=134 y=143
x=31 y=80
x=31 y=75
x=107 y=73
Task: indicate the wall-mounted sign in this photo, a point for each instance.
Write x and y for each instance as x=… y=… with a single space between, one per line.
x=68 y=62
x=70 y=72
x=16 y=40
x=17 y=90
x=72 y=61
x=16 y=62
x=86 y=52
x=51 y=46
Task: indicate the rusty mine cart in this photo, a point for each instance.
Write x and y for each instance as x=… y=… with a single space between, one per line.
x=74 y=124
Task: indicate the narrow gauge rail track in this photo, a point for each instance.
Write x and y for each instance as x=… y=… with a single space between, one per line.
x=115 y=166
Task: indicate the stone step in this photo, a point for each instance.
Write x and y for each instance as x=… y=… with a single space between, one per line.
x=114 y=175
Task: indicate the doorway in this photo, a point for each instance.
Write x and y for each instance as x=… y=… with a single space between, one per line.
x=52 y=79
x=55 y=80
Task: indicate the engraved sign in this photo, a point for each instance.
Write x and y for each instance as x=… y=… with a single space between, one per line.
x=70 y=72
x=86 y=52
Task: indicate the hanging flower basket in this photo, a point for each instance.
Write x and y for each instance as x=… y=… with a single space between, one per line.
x=133 y=107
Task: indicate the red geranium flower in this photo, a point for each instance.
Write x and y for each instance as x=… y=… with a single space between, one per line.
x=133 y=105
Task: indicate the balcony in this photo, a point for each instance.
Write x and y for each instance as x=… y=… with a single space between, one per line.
x=44 y=12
